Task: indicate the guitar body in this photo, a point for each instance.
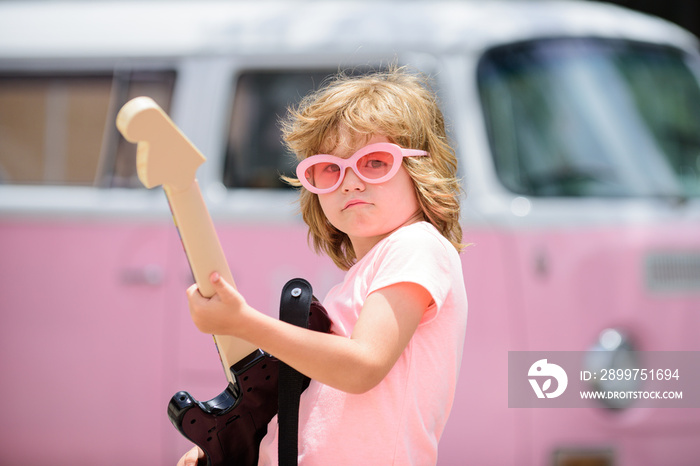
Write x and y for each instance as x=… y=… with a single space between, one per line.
x=229 y=427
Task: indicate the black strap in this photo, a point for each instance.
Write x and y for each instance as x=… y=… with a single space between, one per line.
x=294 y=309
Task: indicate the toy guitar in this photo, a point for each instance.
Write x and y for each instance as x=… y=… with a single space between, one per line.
x=230 y=426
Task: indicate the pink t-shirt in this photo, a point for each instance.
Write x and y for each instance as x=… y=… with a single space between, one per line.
x=400 y=421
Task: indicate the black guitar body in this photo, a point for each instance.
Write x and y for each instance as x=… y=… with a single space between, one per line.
x=229 y=427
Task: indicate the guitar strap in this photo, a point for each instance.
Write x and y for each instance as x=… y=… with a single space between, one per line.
x=295 y=305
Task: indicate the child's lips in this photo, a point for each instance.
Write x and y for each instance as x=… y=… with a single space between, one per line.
x=354 y=202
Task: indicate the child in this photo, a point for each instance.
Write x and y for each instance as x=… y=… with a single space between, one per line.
x=384 y=205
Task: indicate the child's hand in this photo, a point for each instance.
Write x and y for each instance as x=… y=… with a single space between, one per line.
x=190 y=458
x=222 y=314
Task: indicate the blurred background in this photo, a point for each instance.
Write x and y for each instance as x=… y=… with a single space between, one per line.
x=685 y=14
x=577 y=128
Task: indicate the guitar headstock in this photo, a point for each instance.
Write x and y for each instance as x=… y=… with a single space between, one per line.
x=164 y=156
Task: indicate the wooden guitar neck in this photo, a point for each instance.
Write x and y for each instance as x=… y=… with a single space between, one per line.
x=164 y=156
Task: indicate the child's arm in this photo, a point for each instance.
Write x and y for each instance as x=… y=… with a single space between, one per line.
x=386 y=324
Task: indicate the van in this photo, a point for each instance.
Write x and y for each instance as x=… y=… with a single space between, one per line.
x=577 y=127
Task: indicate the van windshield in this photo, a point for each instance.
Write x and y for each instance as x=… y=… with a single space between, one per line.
x=589 y=117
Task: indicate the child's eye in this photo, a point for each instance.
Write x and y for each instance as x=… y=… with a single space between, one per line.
x=331 y=168
x=374 y=163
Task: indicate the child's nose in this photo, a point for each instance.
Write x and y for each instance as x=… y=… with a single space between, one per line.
x=351 y=181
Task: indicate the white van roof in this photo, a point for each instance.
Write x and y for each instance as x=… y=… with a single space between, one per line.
x=177 y=28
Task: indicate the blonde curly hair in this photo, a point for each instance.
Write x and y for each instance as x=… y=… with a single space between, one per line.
x=397 y=104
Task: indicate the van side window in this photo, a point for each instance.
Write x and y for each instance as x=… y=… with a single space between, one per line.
x=255 y=154
x=58 y=128
x=118 y=168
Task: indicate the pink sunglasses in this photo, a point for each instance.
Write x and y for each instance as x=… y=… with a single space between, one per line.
x=375 y=163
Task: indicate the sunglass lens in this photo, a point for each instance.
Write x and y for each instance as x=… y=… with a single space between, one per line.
x=322 y=175
x=375 y=165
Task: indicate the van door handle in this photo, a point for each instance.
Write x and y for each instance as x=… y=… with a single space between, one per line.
x=149 y=275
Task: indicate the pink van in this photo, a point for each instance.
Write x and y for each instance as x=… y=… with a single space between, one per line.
x=578 y=130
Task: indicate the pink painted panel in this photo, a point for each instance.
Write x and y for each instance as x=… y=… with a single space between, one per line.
x=80 y=351
x=556 y=290
x=90 y=359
